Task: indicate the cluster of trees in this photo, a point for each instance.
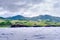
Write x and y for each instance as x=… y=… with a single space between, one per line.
x=5 y=23
x=42 y=23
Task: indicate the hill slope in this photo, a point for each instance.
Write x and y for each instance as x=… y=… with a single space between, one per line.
x=37 y=18
x=47 y=17
x=18 y=17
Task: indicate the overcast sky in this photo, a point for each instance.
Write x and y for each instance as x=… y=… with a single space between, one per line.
x=29 y=8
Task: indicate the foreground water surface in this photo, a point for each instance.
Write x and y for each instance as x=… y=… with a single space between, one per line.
x=30 y=33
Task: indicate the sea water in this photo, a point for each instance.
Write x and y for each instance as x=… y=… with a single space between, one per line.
x=30 y=33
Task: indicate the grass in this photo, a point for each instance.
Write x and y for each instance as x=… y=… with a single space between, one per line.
x=28 y=23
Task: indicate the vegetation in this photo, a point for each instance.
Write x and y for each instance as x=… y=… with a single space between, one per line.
x=29 y=23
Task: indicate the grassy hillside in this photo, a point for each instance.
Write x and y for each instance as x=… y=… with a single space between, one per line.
x=43 y=23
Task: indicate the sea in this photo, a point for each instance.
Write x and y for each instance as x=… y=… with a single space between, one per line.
x=30 y=33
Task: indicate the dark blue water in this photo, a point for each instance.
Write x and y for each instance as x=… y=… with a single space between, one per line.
x=30 y=33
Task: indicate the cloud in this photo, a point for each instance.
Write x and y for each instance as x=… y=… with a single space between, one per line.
x=56 y=8
x=29 y=8
x=15 y=5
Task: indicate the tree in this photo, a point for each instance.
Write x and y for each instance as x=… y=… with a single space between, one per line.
x=8 y=23
x=2 y=23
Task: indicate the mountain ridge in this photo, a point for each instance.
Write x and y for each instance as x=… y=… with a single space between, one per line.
x=37 y=18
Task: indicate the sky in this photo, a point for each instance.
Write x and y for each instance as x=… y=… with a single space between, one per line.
x=29 y=8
